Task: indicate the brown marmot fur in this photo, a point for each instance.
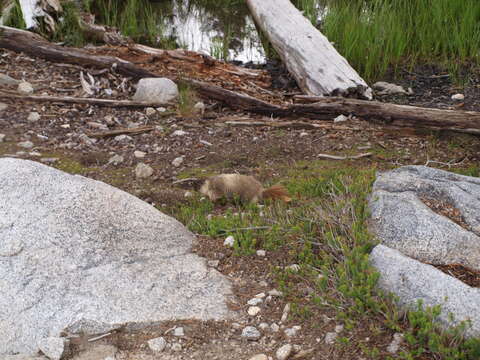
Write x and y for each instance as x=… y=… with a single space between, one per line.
x=247 y=188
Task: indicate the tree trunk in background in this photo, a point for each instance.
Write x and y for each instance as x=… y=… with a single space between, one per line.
x=308 y=55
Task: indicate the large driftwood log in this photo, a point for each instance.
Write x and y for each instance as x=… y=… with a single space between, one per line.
x=308 y=55
x=324 y=109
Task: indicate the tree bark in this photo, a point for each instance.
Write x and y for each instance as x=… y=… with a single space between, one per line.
x=403 y=116
x=308 y=55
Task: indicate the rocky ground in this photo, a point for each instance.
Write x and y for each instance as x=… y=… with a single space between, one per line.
x=183 y=143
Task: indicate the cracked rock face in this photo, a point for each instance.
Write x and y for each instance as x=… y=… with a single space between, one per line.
x=403 y=222
x=413 y=236
x=82 y=256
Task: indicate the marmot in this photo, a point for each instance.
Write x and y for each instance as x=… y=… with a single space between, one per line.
x=247 y=188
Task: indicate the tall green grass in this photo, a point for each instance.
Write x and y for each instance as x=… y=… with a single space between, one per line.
x=378 y=35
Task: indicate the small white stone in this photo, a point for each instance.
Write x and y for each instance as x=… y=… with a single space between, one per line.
x=157 y=344
x=139 y=154
x=330 y=338
x=292 y=331
x=25 y=144
x=338 y=329
x=34 y=153
x=275 y=293
x=25 y=88
x=123 y=138
x=188 y=194
x=253 y=310
x=178 y=331
x=150 y=111
x=302 y=134
x=458 y=97
x=284 y=352
x=254 y=301
x=275 y=327
x=199 y=108
x=65 y=126
x=179 y=133
x=52 y=347
x=259 y=357
x=116 y=160
x=394 y=346
x=161 y=109
x=260 y=296
x=293 y=267
x=286 y=311
x=2 y=137
x=229 y=241
x=176 y=347
x=261 y=253
x=3 y=106
x=177 y=161
x=251 y=333
x=143 y=171
x=340 y=118
x=206 y=143
x=264 y=326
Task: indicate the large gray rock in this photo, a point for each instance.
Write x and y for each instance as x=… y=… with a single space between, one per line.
x=403 y=222
x=156 y=90
x=412 y=280
x=80 y=255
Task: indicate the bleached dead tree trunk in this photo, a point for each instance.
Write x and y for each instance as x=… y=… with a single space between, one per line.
x=308 y=55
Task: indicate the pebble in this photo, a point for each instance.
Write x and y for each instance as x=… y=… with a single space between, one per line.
x=251 y=333
x=330 y=338
x=161 y=109
x=286 y=311
x=49 y=160
x=302 y=134
x=261 y=253
x=34 y=153
x=143 y=171
x=264 y=326
x=292 y=331
x=25 y=88
x=33 y=116
x=87 y=140
x=229 y=241
x=177 y=161
x=458 y=97
x=260 y=295
x=3 y=106
x=275 y=293
x=25 y=144
x=188 y=194
x=150 y=111
x=394 y=346
x=199 y=108
x=123 y=138
x=259 y=357
x=116 y=160
x=275 y=327
x=157 y=344
x=284 y=352
x=293 y=267
x=139 y=154
x=52 y=347
x=177 y=347
x=179 y=331
x=340 y=118
x=255 y=301
x=338 y=329
x=253 y=310
x=179 y=133
x=206 y=143
x=2 y=137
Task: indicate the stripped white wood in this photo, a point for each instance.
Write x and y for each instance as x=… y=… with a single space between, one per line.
x=308 y=55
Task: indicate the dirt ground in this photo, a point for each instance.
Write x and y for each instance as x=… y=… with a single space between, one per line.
x=64 y=137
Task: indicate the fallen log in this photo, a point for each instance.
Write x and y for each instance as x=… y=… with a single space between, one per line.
x=308 y=55
x=81 y=100
x=323 y=109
